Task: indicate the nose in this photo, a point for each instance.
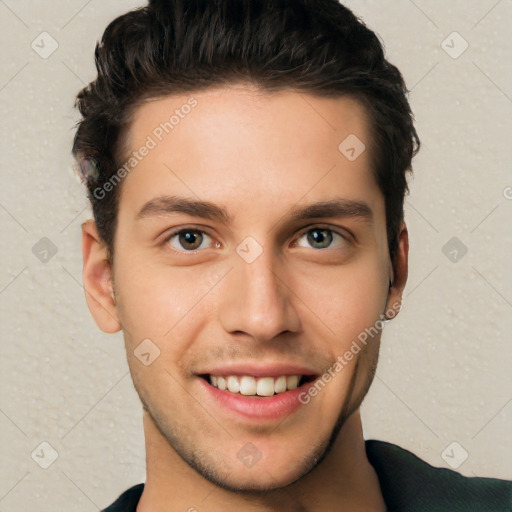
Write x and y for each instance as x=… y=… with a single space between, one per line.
x=257 y=302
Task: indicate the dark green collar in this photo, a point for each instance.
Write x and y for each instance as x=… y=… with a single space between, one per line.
x=408 y=484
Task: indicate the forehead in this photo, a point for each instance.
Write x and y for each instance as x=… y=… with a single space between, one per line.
x=233 y=145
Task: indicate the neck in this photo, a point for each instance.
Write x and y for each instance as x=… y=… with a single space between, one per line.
x=343 y=481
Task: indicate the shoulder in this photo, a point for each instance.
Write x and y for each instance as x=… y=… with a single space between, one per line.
x=409 y=483
x=128 y=501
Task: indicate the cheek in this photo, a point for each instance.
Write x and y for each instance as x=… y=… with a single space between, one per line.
x=158 y=301
x=345 y=299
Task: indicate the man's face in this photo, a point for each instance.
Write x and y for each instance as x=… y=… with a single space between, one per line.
x=259 y=293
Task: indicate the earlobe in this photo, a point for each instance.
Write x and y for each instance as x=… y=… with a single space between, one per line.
x=97 y=279
x=399 y=274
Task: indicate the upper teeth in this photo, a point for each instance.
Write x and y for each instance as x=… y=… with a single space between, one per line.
x=250 y=386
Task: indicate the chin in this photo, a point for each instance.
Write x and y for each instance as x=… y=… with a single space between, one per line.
x=251 y=481
x=277 y=470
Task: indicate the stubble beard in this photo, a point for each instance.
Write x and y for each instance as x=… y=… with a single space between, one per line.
x=359 y=385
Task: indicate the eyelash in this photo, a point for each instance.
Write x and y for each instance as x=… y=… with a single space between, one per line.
x=179 y=231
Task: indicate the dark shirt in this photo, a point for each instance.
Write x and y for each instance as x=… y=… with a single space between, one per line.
x=407 y=484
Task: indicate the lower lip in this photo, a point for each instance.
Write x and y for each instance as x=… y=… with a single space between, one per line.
x=264 y=408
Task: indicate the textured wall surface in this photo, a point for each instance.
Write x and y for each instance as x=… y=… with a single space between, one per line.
x=443 y=388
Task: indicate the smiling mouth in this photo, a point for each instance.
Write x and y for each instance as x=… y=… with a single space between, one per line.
x=248 y=385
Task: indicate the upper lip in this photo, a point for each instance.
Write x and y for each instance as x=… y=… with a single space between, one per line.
x=259 y=370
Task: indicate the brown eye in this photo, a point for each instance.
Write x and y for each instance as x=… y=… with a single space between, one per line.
x=188 y=239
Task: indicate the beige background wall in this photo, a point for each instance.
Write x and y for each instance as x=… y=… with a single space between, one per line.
x=444 y=374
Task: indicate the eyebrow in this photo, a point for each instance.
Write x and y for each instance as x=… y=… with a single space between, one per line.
x=333 y=208
x=165 y=205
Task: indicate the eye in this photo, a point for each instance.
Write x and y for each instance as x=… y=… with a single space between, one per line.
x=188 y=239
x=321 y=238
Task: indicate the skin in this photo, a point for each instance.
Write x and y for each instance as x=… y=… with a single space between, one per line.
x=258 y=155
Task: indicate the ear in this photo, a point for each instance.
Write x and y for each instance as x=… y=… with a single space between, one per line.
x=97 y=278
x=399 y=274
